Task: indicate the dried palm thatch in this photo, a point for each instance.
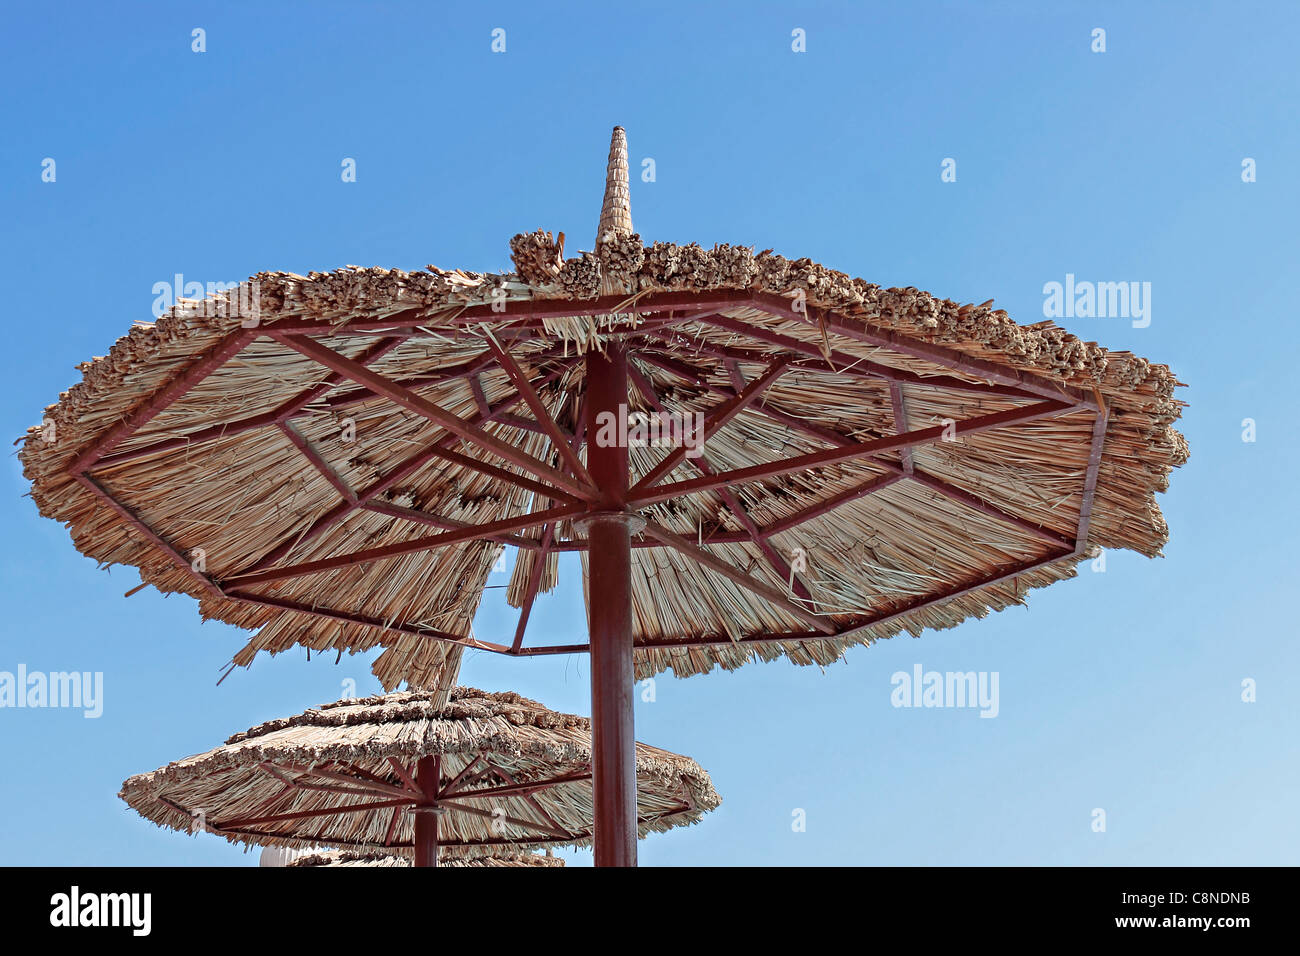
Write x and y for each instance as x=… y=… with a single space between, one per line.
x=512 y=776
x=368 y=859
x=308 y=472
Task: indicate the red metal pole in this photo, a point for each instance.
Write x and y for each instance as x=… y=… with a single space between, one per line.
x=613 y=738
x=427 y=772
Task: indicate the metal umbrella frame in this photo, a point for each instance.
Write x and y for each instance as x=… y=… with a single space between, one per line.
x=938 y=459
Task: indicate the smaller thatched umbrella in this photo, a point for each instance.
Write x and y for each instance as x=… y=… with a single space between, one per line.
x=402 y=774
x=365 y=858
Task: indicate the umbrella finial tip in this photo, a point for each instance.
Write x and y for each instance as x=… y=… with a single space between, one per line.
x=616 y=209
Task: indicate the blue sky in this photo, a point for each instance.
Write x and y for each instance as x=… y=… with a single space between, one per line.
x=1119 y=690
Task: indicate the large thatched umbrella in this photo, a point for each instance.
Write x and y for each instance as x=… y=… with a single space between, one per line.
x=338 y=459
x=404 y=774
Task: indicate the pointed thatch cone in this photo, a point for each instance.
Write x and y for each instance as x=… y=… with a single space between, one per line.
x=618 y=248
x=616 y=210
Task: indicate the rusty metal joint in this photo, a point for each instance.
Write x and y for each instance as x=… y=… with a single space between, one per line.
x=635 y=523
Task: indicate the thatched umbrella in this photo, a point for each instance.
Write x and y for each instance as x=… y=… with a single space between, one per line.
x=338 y=459
x=333 y=858
x=407 y=775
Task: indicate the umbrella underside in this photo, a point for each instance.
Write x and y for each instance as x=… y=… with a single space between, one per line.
x=343 y=473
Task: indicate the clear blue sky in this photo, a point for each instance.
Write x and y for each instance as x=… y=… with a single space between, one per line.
x=1119 y=690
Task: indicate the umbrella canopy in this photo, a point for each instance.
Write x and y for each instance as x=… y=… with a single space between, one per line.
x=353 y=774
x=766 y=457
x=362 y=858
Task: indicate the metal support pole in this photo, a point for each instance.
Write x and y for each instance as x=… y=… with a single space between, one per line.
x=610 y=596
x=427 y=772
